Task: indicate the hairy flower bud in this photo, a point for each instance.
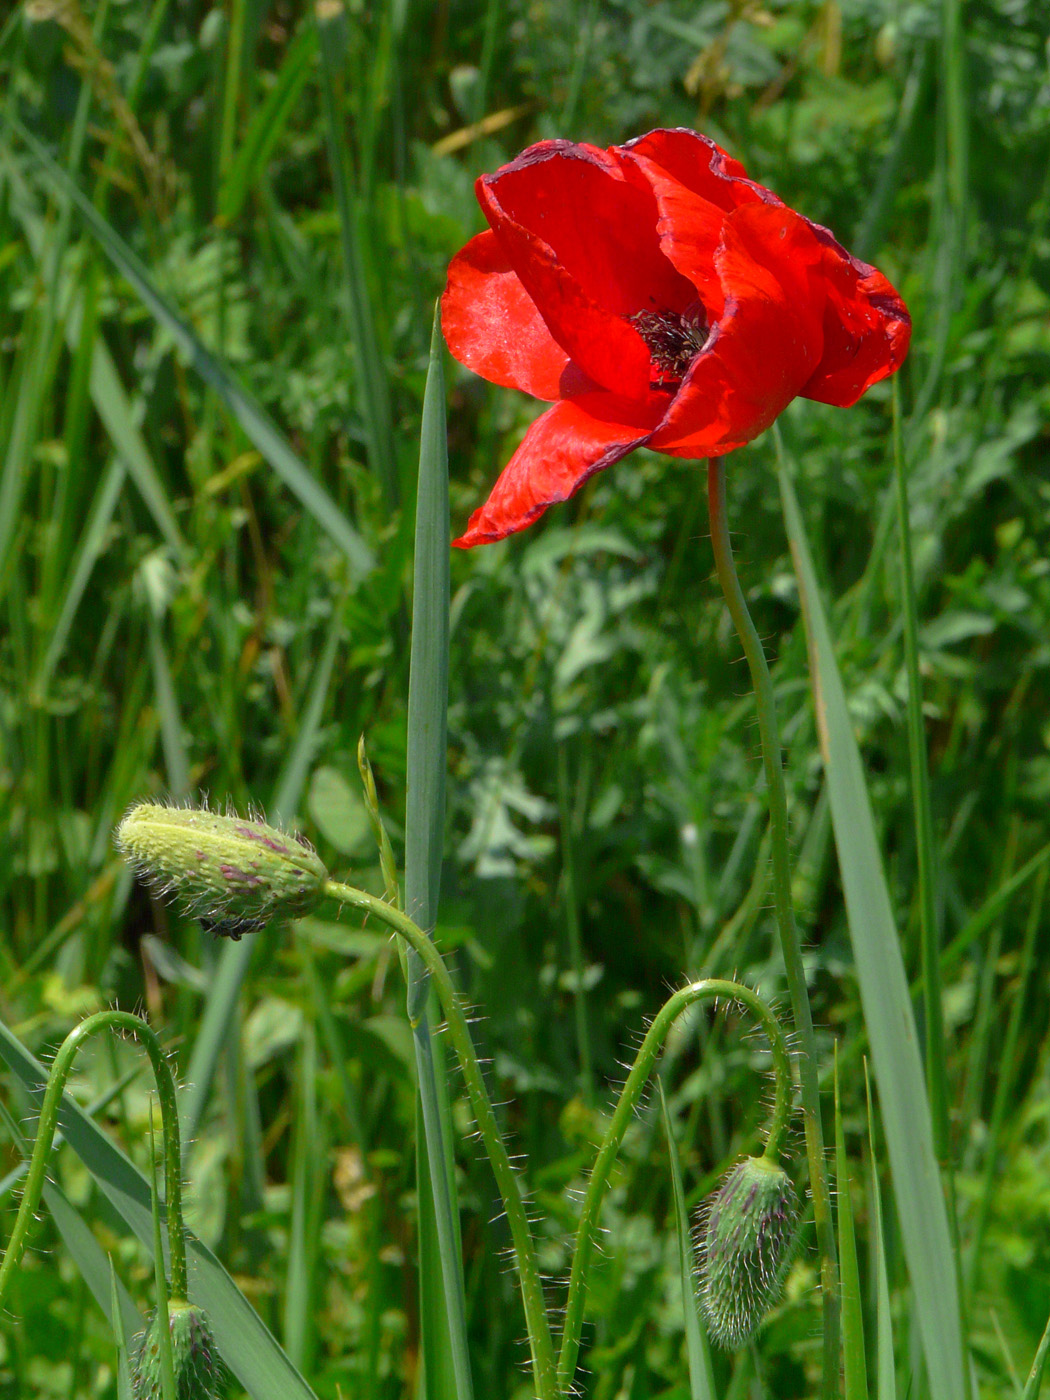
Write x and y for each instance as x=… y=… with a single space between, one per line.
x=198 y=1369
x=745 y=1236
x=235 y=874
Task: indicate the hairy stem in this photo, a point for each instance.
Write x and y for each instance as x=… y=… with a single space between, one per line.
x=708 y=990
x=47 y=1126
x=540 y=1342
x=778 y=827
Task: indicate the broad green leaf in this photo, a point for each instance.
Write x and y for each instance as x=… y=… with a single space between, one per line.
x=884 y=994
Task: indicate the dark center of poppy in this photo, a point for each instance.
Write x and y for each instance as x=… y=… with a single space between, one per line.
x=674 y=340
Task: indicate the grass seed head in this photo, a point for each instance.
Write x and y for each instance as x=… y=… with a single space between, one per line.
x=745 y=1234
x=198 y=1369
x=233 y=873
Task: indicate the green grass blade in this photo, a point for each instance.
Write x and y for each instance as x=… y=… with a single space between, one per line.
x=94 y=1265
x=267 y=125
x=428 y=677
x=373 y=391
x=1035 y=1376
x=255 y=422
x=92 y=543
x=855 y=1371
x=701 y=1376
x=107 y=392
x=887 y=1369
x=117 y=414
x=232 y=964
x=308 y=1167
x=443 y=1302
x=244 y=1342
x=175 y=758
x=884 y=994
x=119 y=1335
x=923 y=815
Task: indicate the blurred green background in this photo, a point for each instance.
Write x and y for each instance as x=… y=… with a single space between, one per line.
x=185 y=611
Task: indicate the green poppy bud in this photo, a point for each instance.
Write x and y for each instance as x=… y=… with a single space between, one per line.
x=745 y=1237
x=197 y=1366
x=233 y=873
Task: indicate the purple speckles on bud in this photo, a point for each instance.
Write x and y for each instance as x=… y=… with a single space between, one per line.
x=232 y=874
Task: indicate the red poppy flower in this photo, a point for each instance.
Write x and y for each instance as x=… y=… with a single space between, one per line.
x=657 y=298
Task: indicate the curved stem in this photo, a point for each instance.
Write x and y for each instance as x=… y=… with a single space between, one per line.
x=765 y=703
x=540 y=1342
x=48 y=1123
x=709 y=989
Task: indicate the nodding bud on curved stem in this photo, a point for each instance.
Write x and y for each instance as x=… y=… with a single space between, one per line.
x=710 y=989
x=233 y=873
x=199 y=1372
x=123 y=1022
x=745 y=1237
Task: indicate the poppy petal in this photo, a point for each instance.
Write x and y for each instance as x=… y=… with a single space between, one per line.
x=562 y=448
x=599 y=221
x=767 y=343
x=698 y=164
x=492 y=326
x=583 y=242
x=867 y=328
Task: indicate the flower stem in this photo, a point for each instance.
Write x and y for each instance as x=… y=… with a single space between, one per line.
x=540 y=1342
x=48 y=1124
x=707 y=990
x=778 y=827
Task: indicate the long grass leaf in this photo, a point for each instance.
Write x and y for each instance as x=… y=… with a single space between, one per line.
x=1034 y=1383
x=267 y=125
x=117 y=411
x=89 y=549
x=446 y=1357
x=884 y=994
x=256 y=423
x=923 y=814
x=119 y=1336
x=701 y=1376
x=246 y=1345
x=233 y=961
x=307 y=1161
x=373 y=392
x=89 y=1257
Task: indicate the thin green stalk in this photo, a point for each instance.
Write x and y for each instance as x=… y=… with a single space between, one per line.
x=540 y=1343
x=920 y=785
x=162 y=1316
x=627 y=1104
x=765 y=703
x=48 y=1124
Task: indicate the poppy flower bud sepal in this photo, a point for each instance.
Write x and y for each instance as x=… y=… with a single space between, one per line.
x=746 y=1234
x=233 y=873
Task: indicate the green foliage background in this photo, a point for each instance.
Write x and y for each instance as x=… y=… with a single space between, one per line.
x=176 y=619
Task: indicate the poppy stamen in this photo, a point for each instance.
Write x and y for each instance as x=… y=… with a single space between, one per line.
x=674 y=340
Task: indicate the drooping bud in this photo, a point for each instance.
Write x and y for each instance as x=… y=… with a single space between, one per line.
x=745 y=1237
x=233 y=873
x=199 y=1372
